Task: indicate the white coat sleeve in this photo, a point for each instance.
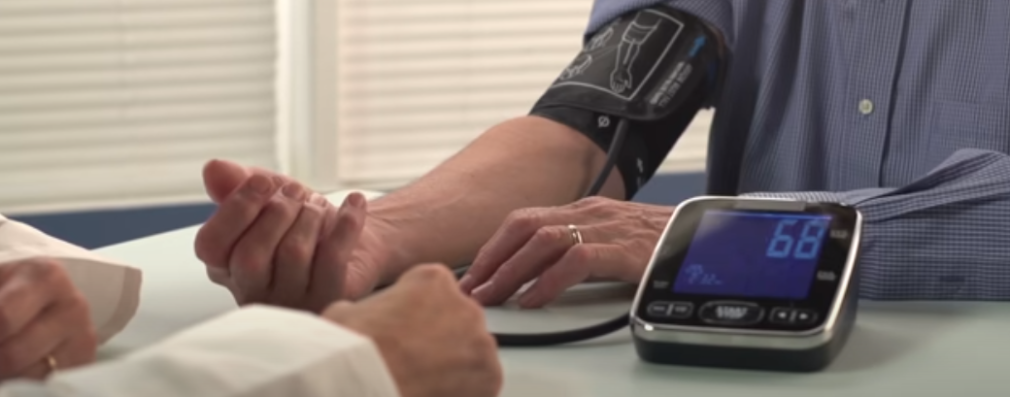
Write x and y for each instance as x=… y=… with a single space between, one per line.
x=111 y=289
x=257 y=351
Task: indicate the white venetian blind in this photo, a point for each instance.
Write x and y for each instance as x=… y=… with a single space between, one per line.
x=113 y=102
x=417 y=80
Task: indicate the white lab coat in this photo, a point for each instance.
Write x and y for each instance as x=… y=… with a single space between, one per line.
x=256 y=351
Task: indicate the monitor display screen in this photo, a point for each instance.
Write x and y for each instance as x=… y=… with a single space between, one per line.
x=753 y=254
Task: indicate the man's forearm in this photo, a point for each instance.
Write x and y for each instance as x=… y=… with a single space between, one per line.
x=448 y=214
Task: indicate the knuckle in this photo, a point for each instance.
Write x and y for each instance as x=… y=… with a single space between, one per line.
x=523 y=219
x=218 y=276
x=295 y=250
x=546 y=235
x=284 y=209
x=248 y=258
x=432 y=273
x=206 y=251
x=45 y=271
x=597 y=204
x=591 y=201
x=215 y=237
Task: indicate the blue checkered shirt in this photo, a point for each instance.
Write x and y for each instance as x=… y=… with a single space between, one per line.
x=898 y=107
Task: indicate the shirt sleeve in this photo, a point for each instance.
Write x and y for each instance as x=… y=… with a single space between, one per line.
x=253 y=352
x=718 y=13
x=111 y=289
x=945 y=236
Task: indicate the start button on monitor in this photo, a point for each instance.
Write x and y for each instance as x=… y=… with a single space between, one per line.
x=731 y=313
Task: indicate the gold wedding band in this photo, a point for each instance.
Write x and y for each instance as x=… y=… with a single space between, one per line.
x=576 y=234
x=51 y=363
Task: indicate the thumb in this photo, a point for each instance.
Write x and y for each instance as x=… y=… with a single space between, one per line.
x=338 y=311
x=221 y=177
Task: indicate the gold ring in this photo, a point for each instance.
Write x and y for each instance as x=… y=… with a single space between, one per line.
x=51 y=363
x=576 y=235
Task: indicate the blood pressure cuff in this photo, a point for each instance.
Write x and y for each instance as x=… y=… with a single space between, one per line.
x=655 y=68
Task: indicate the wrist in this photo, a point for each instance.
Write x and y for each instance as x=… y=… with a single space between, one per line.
x=393 y=248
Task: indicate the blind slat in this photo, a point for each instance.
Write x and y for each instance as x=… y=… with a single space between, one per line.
x=235 y=127
x=126 y=59
x=113 y=102
x=47 y=80
x=417 y=81
x=112 y=40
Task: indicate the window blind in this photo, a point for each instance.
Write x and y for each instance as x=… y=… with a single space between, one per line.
x=417 y=80
x=120 y=102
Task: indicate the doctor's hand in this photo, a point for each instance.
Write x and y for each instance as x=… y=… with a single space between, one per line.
x=433 y=338
x=617 y=240
x=45 y=322
x=274 y=241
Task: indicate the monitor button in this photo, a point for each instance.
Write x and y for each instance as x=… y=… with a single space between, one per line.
x=792 y=316
x=681 y=310
x=660 y=309
x=731 y=313
x=677 y=310
x=806 y=317
x=783 y=315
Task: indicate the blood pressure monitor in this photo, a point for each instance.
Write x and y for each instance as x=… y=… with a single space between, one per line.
x=750 y=283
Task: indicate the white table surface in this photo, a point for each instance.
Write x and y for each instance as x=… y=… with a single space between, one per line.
x=897 y=349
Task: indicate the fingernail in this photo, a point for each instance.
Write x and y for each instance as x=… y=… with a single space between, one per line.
x=318 y=199
x=464 y=283
x=292 y=191
x=480 y=293
x=277 y=180
x=356 y=200
x=260 y=184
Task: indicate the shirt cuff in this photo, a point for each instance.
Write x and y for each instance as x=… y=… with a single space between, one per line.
x=853 y=198
x=253 y=352
x=111 y=289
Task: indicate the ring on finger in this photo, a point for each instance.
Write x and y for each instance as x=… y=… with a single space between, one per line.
x=576 y=234
x=51 y=363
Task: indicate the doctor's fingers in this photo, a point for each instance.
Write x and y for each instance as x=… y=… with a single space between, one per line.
x=218 y=236
x=547 y=245
x=341 y=232
x=293 y=258
x=252 y=259
x=76 y=351
x=63 y=332
x=221 y=177
x=28 y=288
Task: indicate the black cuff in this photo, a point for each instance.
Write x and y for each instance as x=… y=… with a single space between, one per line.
x=633 y=159
x=646 y=144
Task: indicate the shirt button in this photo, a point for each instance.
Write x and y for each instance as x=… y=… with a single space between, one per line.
x=866 y=106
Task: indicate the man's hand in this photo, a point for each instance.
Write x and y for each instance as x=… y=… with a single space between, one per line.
x=433 y=338
x=617 y=241
x=274 y=241
x=44 y=320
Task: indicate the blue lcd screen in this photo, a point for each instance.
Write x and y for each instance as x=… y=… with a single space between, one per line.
x=753 y=254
